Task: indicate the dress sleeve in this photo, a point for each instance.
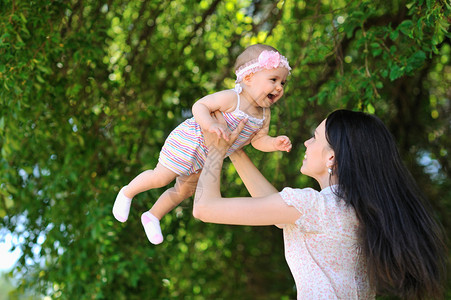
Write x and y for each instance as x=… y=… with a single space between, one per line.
x=311 y=206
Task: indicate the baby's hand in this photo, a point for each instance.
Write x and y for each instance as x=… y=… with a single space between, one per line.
x=282 y=143
x=221 y=130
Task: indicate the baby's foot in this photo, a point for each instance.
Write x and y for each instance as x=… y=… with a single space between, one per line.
x=121 y=207
x=152 y=228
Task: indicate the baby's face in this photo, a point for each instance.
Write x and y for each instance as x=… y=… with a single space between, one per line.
x=266 y=86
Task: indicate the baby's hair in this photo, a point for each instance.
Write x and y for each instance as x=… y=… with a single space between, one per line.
x=250 y=53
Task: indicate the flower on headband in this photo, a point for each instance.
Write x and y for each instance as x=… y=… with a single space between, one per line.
x=269 y=59
x=266 y=60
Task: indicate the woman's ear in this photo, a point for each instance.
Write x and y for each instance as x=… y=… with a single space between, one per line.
x=330 y=163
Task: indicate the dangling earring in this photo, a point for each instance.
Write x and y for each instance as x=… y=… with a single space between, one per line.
x=330 y=171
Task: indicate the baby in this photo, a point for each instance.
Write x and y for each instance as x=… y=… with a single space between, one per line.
x=261 y=73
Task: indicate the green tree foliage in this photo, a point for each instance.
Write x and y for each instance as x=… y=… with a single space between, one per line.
x=90 y=89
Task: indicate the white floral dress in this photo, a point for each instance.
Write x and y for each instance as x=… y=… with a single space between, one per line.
x=322 y=249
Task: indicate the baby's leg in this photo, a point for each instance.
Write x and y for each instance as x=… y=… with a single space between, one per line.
x=183 y=189
x=158 y=177
x=150 y=179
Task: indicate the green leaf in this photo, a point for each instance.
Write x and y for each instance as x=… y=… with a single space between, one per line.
x=416 y=60
x=395 y=72
x=394 y=35
x=376 y=49
x=44 y=69
x=2 y=124
x=406 y=27
x=22 y=16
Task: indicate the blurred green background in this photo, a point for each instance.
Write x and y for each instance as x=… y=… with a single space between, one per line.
x=89 y=90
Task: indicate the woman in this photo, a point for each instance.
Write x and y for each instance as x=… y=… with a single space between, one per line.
x=366 y=230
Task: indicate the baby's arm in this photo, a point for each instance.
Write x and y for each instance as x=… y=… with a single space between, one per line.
x=263 y=142
x=202 y=109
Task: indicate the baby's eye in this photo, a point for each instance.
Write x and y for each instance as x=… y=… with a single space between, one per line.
x=283 y=83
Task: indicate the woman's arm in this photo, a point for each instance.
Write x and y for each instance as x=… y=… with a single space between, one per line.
x=209 y=206
x=253 y=179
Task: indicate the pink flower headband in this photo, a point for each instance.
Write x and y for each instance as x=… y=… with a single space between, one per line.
x=266 y=60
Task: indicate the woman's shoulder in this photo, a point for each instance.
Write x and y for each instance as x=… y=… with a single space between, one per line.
x=330 y=190
x=298 y=191
x=320 y=210
x=292 y=195
x=309 y=197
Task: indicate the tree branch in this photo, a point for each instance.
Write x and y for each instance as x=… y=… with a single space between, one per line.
x=332 y=63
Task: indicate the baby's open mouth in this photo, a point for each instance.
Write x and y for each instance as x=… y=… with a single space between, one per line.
x=271 y=97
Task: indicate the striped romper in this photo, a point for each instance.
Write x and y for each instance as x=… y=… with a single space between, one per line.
x=184 y=151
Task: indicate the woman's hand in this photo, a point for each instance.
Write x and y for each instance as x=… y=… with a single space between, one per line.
x=217 y=144
x=220 y=129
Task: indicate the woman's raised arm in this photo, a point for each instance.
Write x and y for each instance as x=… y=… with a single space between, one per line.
x=210 y=206
x=253 y=179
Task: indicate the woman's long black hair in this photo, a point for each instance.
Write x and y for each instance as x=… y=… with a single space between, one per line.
x=403 y=244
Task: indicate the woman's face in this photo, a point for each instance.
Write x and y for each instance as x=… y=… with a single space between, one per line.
x=318 y=156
